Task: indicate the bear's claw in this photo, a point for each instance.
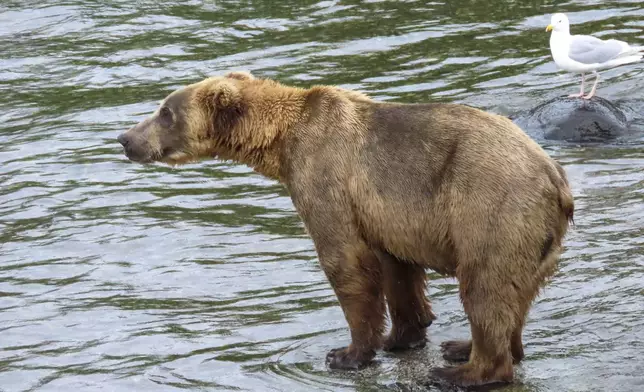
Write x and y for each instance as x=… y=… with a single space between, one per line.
x=456 y=350
x=347 y=359
x=410 y=341
x=462 y=376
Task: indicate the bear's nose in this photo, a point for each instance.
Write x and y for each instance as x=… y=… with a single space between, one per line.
x=123 y=139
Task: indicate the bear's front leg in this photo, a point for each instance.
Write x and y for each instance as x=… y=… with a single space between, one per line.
x=404 y=286
x=355 y=275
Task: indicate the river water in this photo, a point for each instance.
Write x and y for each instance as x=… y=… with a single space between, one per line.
x=123 y=277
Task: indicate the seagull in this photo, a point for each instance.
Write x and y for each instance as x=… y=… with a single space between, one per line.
x=584 y=53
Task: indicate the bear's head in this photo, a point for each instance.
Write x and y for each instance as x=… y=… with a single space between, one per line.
x=199 y=121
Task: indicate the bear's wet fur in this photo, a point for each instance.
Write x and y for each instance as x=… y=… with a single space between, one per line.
x=386 y=191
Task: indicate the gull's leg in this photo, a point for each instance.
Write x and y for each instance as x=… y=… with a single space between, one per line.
x=592 y=92
x=581 y=93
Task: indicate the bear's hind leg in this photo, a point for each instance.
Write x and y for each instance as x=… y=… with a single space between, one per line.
x=410 y=311
x=459 y=350
x=516 y=343
x=548 y=262
x=493 y=306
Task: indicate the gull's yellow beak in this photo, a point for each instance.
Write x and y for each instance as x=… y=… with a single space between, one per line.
x=549 y=27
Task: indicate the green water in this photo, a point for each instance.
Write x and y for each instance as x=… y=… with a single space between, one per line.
x=123 y=277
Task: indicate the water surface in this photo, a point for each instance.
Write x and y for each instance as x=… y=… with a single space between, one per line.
x=123 y=277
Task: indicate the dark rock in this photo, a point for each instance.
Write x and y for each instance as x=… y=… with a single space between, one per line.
x=574 y=120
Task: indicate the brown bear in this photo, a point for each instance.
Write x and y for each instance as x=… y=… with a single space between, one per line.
x=387 y=190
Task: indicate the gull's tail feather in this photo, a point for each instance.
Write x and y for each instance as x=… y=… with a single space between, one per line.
x=622 y=60
x=637 y=49
x=631 y=50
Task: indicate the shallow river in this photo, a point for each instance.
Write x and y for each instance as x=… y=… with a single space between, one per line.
x=123 y=277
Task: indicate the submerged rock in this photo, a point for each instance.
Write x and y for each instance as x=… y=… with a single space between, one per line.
x=574 y=120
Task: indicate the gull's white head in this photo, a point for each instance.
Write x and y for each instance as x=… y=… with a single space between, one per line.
x=559 y=23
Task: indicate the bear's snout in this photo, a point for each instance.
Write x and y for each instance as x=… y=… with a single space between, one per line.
x=123 y=139
x=132 y=147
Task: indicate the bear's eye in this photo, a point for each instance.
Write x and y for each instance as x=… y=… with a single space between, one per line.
x=165 y=112
x=165 y=116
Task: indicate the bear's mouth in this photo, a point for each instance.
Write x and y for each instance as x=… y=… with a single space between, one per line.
x=134 y=156
x=169 y=151
x=140 y=159
x=139 y=153
x=157 y=156
x=177 y=157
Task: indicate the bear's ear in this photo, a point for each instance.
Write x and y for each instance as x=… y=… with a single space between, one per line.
x=240 y=75
x=225 y=100
x=225 y=95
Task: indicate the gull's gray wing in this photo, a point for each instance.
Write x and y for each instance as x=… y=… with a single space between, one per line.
x=590 y=50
